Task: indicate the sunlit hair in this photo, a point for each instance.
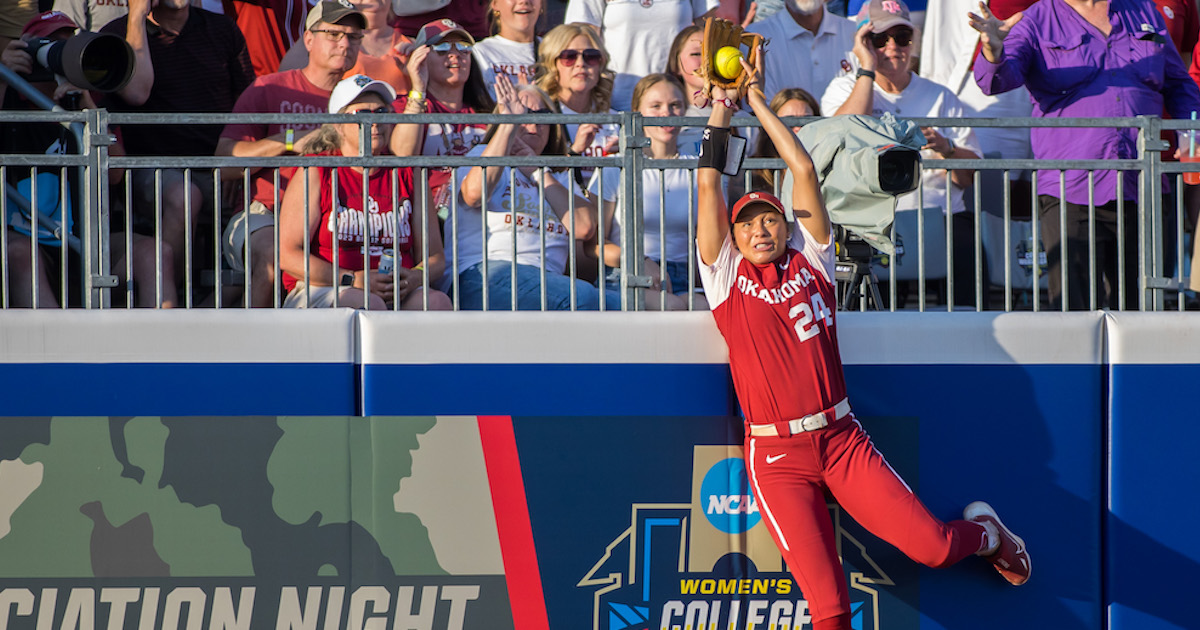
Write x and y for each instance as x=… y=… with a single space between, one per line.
x=556 y=142
x=556 y=41
x=651 y=80
x=764 y=179
x=673 y=66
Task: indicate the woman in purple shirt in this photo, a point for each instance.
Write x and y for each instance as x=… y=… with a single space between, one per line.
x=1087 y=59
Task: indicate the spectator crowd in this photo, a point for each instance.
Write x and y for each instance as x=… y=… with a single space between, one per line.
x=428 y=238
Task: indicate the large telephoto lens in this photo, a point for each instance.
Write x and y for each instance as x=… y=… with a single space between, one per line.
x=102 y=62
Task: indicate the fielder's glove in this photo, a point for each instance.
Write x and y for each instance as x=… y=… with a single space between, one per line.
x=719 y=33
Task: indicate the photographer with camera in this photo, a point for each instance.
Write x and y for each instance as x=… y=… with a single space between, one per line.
x=30 y=282
x=772 y=293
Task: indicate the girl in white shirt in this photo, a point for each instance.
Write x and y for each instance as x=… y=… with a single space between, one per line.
x=512 y=49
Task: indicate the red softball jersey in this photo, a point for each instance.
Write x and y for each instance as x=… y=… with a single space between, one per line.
x=778 y=321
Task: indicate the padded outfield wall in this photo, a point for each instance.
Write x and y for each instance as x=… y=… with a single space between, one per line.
x=378 y=471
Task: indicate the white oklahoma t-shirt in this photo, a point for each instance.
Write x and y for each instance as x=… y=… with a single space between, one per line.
x=506 y=206
x=497 y=55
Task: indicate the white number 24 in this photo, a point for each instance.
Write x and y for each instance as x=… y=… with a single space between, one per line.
x=809 y=323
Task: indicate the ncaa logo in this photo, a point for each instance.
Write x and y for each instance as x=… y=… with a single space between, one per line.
x=726 y=499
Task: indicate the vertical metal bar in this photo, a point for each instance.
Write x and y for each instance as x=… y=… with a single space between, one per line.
x=512 y=267
x=1007 y=210
x=1036 y=241
x=34 y=258
x=453 y=230
x=948 y=220
x=632 y=158
x=571 y=260
x=217 y=233
x=1092 y=297
x=335 y=278
x=129 y=284
x=483 y=210
x=1179 y=252
x=366 y=221
x=217 y=242
x=337 y=231
x=1150 y=210
x=97 y=249
x=542 y=230
x=64 y=234
x=158 y=239
x=277 y=275
x=1063 y=248
x=662 y=237
x=4 y=241
x=981 y=283
x=187 y=238
x=1121 y=253
x=600 y=237
x=247 y=251
x=921 y=244
x=397 y=258
x=691 y=191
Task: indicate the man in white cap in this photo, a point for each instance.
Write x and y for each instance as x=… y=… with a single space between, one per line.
x=333 y=31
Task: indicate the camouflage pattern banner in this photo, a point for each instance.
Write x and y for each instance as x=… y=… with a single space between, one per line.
x=248 y=522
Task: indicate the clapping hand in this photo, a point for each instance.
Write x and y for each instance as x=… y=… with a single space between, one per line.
x=507 y=100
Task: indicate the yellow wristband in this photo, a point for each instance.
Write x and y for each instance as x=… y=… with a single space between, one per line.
x=414 y=95
x=289 y=137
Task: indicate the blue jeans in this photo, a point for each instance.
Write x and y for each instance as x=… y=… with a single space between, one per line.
x=529 y=290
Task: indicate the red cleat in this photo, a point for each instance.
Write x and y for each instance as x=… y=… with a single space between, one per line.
x=1010 y=557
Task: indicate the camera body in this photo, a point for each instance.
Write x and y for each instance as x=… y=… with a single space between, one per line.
x=102 y=62
x=863 y=163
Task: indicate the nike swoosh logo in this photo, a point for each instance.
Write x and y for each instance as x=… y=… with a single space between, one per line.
x=771 y=459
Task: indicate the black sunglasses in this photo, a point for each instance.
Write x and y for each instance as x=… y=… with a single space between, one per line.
x=903 y=37
x=591 y=56
x=544 y=110
x=382 y=109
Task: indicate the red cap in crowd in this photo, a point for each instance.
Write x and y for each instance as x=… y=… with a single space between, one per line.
x=46 y=24
x=438 y=30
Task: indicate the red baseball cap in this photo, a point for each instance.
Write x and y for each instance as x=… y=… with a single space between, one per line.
x=756 y=197
x=46 y=24
x=438 y=30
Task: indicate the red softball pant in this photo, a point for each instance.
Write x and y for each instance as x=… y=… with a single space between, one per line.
x=789 y=476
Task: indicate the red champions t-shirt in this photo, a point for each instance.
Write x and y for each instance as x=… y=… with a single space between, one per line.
x=280 y=93
x=387 y=221
x=778 y=321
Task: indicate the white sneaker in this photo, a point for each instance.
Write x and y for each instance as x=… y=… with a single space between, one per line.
x=1010 y=557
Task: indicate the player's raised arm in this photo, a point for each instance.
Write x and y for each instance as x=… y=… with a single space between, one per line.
x=807 y=203
x=712 y=225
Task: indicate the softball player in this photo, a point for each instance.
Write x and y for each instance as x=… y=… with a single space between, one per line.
x=773 y=298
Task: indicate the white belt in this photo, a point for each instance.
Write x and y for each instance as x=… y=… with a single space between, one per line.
x=818 y=420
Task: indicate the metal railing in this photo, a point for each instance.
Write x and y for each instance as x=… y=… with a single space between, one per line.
x=86 y=266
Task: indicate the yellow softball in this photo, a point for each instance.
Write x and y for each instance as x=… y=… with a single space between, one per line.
x=728 y=62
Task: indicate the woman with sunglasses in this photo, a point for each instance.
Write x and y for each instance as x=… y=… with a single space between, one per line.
x=445 y=81
x=638 y=34
x=512 y=48
x=391 y=222
x=885 y=82
x=498 y=201
x=573 y=70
